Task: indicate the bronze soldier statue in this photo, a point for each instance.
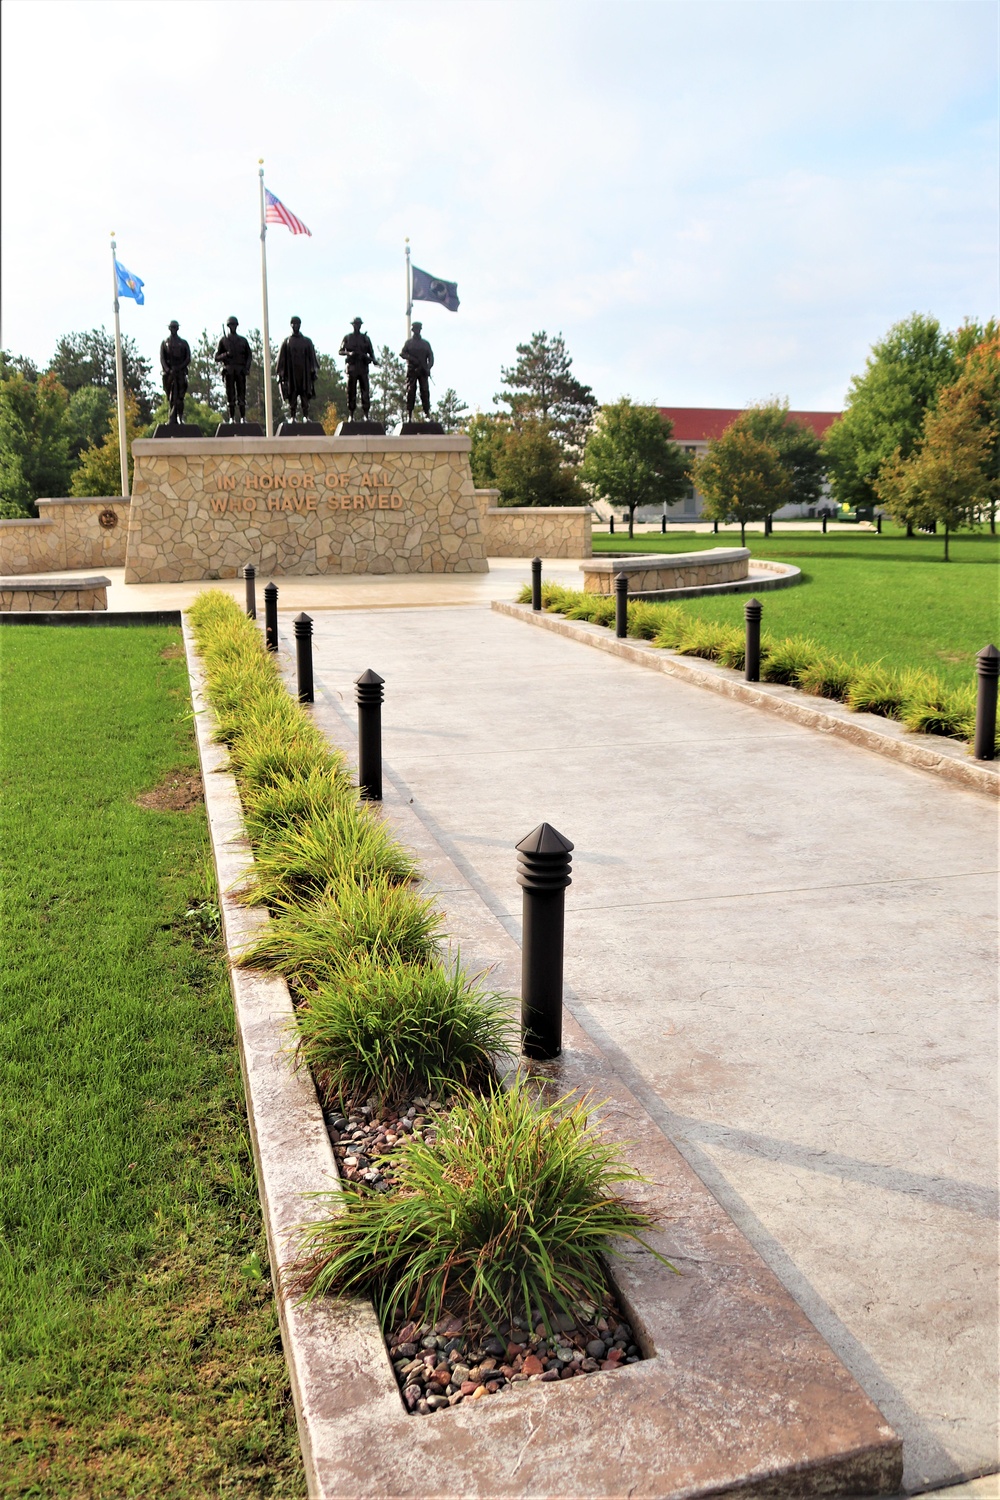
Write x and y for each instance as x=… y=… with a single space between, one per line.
x=419 y=358
x=175 y=357
x=357 y=349
x=233 y=354
x=297 y=370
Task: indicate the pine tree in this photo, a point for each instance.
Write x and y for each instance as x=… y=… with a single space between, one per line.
x=541 y=388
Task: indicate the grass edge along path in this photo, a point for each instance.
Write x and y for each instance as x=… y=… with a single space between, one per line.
x=918 y=700
x=139 y=1350
x=344 y=922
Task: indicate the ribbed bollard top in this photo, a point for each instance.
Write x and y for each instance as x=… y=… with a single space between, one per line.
x=988 y=662
x=544 y=860
x=303 y=624
x=752 y=609
x=369 y=687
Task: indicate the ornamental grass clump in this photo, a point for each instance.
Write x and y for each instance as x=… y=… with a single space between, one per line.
x=510 y=1210
x=340 y=845
x=399 y=1031
x=785 y=660
x=873 y=690
x=317 y=942
x=286 y=802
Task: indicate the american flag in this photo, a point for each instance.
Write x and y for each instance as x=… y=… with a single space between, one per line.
x=275 y=212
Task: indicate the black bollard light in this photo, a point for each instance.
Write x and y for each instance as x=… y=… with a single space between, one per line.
x=621 y=606
x=752 y=611
x=878 y=524
x=543 y=873
x=987 y=670
x=663 y=525
x=611 y=525
x=536 y=583
x=303 y=626
x=715 y=528
x=250 y=576
x=768 y=525
x=369 y=690
x=271 y=616
x=824 y=525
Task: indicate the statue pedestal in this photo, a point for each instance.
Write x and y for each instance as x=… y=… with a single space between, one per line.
x=205 y=507
x=360 y=429
x=177 y=430
x=300 y=429
x=421 y=429
x=239 y=429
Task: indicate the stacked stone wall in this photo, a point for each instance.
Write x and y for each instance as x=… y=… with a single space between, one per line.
x=67 y=534
x=545 y=531
x=682 y=570
x=204 y=509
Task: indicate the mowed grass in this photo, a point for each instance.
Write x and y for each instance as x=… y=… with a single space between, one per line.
x=884 y=598
x=139 y=1352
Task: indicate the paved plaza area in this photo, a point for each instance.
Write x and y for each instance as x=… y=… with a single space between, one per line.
x=784 y=943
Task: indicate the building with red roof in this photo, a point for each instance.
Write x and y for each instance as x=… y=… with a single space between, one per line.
x=694 y=427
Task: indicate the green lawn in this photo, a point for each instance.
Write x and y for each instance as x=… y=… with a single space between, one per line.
x=880 y=598
x=139 y=1353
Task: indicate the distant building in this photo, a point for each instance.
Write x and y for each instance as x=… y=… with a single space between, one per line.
x=696 y=426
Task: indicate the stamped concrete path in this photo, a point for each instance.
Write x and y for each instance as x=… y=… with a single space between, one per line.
x=784 y=943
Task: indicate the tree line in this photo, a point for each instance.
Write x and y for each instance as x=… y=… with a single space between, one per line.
x=919 y=436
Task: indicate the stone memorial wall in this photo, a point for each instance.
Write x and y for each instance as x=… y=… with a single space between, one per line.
x=205 y=508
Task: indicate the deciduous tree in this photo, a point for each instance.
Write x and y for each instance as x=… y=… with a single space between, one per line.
x=800 y=449
x=631 y=460
x=34 y=439
x=950 y=476
x=540 y=387
x=87 y=418
x=886 y=406
x=529 y=469
x=488 y=433
x=100 y=470
x=742 y=478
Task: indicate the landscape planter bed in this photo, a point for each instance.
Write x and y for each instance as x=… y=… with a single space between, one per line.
x=739 y=1390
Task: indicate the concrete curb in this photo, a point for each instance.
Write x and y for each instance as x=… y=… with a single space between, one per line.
x=741 y=1392
x=926 y=752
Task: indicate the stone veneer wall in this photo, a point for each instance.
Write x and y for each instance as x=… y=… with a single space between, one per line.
x=67 y=534
x=38 y=596
x=542 y=531
x=203 y=508
x=681 y=570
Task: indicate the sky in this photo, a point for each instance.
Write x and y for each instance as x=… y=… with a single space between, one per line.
x=714 y=201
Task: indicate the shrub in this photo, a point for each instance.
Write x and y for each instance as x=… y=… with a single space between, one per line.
x=873 y=690
x=705 y=638
x=345 y=843
x=317 y=942
x=826 y=678
x=786 y=660
x=512 y=1208
x=398 y=1030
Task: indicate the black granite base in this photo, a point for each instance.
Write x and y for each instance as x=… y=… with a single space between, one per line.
x=421 y=429
x=178 y=429
x=239 y=429
x=360 y=429
x=300 y=429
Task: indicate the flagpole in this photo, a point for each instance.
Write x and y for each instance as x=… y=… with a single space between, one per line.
x=409 y=289
x=268 y=405
x=120 y=379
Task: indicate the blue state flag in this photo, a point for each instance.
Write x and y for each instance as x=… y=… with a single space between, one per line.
x=128 y=285
x=428 y=288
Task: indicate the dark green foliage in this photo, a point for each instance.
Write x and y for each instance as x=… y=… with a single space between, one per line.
x=799 y=449
x=540 y=388
x=401 y=1030
x=388 y=388
x=511 y=1210
x=631 y=460
x=88 y=358
x=34 y=440
x=88 y=418
x=886 y=406
x=529 y=469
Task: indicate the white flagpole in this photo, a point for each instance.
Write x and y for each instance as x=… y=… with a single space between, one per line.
x=409 y=289
x=120 y=380
x=268 y=411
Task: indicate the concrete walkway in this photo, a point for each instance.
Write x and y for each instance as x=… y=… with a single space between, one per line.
x=784 y=943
